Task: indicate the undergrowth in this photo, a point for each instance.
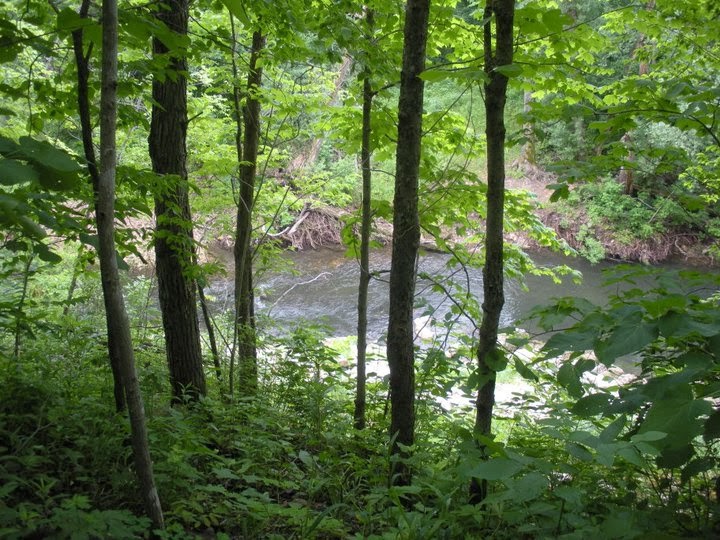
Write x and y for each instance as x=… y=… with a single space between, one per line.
x=288 y=464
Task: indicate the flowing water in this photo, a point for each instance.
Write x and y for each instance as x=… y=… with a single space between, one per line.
x=323 y=289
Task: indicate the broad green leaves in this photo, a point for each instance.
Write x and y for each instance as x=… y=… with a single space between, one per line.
x=668 y=335
x=14 y=172
x=31 y=160
x=34 y=178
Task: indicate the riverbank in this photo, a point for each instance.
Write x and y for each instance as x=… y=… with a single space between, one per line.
x=319 y=226
x=596 y=239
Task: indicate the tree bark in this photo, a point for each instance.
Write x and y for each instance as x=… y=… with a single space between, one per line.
x=365 y=155
x=501 y=12
x=307 y=158
x=117 y=321
x=406 y=238
x=82 y=63
x=244 y=296
x=174 y=247
x=209 y=324
x=528 y=154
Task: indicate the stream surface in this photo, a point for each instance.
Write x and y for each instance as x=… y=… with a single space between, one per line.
x=323 y=289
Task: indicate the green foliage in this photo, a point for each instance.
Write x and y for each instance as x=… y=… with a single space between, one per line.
x=579 y=457
x=572 y=460
x=667 y=337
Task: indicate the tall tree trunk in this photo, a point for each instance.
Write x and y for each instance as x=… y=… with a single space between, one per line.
x=626 y=175
x=82 y=62
x=209 y=324
x=117 y=321
x=528 y=154
x=244 y=296
x=27 y=272
x=307 y=158
x=406 y=238
x=365 y=155
x=501 y=12
x=174 y=247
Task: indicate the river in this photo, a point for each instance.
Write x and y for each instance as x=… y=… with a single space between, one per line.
x=323 y=289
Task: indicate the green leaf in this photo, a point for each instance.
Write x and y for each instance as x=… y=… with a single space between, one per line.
x=68 y=20
x=697 y=466
x=31 y=228
x=679 y=418
x=47 y=155
x=510 y=70
x=569 y=378
x=681 y=324
x=648 y=436
x=13 y=172
x=57 y=170
x=496 y=469
x=9 y=148
x=611 y=432
x=524 y=371
x=496 y=359
x=554 y=20
x=238 y=9
x=631 y=455
x=46 y=254
x=578 y=451
x=432 y=75
x=306 y=458
x=674 y=457
x=661 y=305
x=9 y=42
x=711 y=429
x=560 y=191
x=631 y=335
x=526 y=488
x=578 y=340
x=569 y=494
x=593 y=405
x=224 y=473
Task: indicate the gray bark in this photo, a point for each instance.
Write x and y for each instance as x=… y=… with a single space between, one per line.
x=406 y=238
x=82 y=63
x=117 y=321
x=244 y=295
x=365 y=155
x=174 y=247
x=500 y=12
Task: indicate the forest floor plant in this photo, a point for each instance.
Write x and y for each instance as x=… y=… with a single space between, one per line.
x=575 y=461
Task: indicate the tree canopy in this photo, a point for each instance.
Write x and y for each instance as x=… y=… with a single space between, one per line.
x=170 y=162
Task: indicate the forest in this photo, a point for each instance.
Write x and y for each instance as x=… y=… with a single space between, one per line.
x=385 y=269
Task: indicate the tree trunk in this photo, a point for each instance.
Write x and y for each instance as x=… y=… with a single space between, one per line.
x=528 y=154
x=626 y=175
x=406 y=238
x=365 y=155
x=307 y=158
x=502 y=12
x=117 y=321
x=82 y=62
x=209 y=324
x=244 y=297
x=174 y=247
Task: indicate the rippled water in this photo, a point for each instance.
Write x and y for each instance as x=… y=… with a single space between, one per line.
x=324 y=289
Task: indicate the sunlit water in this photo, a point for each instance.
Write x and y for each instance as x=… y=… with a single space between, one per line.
x=323 y=289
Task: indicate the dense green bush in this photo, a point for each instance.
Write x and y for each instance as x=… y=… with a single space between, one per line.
x=574 y=460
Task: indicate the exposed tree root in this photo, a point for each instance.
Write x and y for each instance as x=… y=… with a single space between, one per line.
x=314 y=228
